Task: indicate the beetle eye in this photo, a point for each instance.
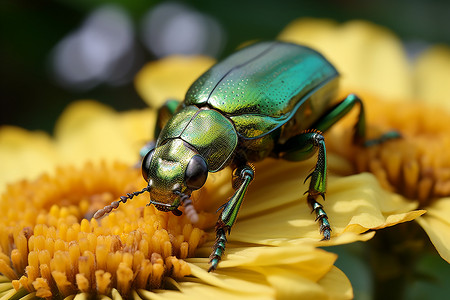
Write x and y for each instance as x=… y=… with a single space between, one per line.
x=146 y=163
x=196 y=173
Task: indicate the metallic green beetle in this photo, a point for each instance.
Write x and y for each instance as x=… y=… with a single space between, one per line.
x=268 y=99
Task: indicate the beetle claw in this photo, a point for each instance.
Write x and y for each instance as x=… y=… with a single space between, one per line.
x=326 y=234
x=307 y=177
x=321 y=215
x=222 y=207
x=219 y=247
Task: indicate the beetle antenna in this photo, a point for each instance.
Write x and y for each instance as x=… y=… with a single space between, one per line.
x=108 y=208
x=189 y=208
x=190 y=211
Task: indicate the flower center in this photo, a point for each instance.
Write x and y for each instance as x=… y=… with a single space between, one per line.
x=416 y=165
x=51 y=245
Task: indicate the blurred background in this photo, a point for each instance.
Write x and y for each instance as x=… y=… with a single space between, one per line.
x=55 y=52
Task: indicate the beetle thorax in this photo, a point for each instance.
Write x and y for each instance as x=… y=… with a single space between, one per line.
x=208 y=131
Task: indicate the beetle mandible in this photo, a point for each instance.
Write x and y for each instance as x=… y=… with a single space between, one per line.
x=270 y=99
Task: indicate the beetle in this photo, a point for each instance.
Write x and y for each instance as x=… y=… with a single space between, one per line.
x=269 y=99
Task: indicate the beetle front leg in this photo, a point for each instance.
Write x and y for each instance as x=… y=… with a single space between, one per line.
x=299 y=148
x=229 y=214
x=164 y=113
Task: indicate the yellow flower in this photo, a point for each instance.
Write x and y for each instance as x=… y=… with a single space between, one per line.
x=411 y=97
x=51 y=247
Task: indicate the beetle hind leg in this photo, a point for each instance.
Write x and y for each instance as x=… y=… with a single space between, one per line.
x=390 y=135
x=321 y=216
x=317 y=185
x=342 y=108
x=301 y=147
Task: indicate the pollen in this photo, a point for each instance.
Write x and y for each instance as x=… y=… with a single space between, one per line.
x=416 y=165
x=52 y=247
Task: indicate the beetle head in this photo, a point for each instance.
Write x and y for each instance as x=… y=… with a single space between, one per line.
x=173 y=170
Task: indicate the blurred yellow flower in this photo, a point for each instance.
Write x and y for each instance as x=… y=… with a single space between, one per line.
x=51 y=247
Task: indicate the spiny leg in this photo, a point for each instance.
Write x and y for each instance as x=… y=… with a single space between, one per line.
x=338 y=111
x=301 y=147
x=229 y=213
x=324 y=123
x=317 y=185
x=298 y=150
x=321 y=215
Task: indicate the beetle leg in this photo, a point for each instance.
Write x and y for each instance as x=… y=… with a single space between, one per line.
x=301 y=147
x=342 y=108
x=338 y=111
x=229 y=214
x=165 y=112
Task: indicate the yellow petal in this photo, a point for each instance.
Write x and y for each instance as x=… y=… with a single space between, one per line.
x=306 y=266
x=337 y=285
x=79 y=115
x=230 y=279
x=232 y=284
x=433 y=76
x=437 y=225
x=138 y=125
x=368 y=57
x=275 y=210
x=169 y=78
x=24 y=154
x=367 y=204
x=310 y=32
x=400 y=218
x=89 y=131
x=313 y=262
x=268 y=272
x=290 y=285
x=191 y=290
